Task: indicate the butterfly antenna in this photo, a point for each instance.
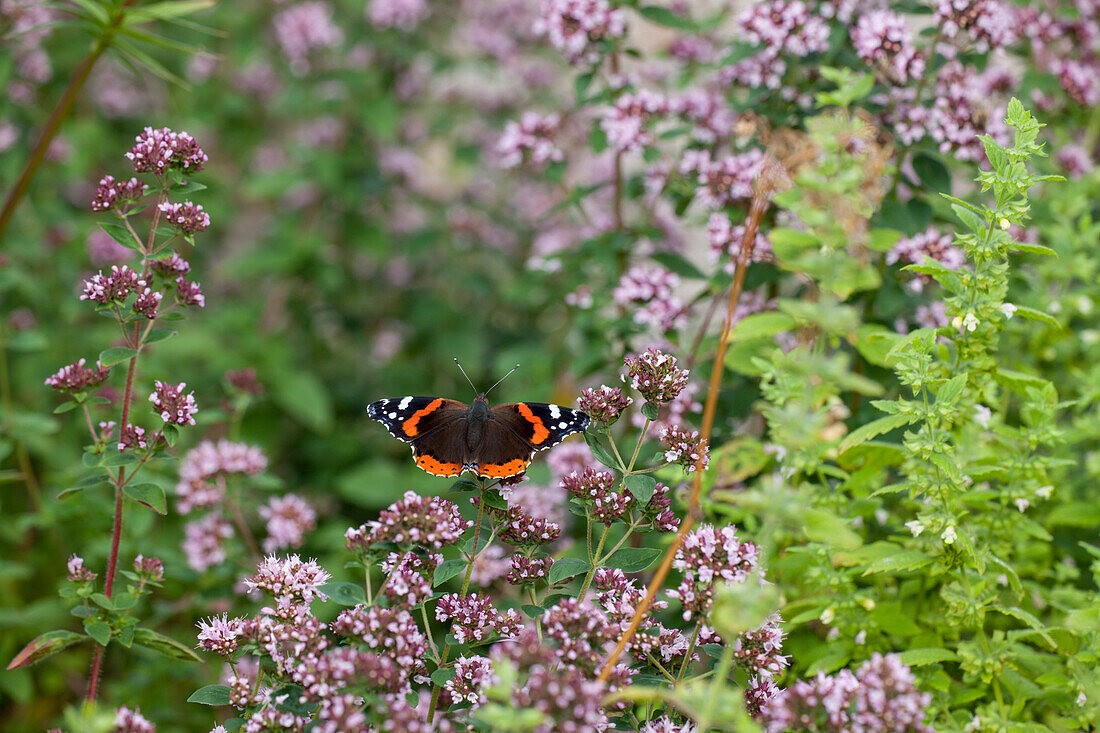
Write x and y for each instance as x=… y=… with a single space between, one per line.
x=502 y=378
x=466 y=375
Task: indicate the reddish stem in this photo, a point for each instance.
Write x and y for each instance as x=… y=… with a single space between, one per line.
x=761 y=197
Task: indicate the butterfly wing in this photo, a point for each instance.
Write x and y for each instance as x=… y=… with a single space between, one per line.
x=415 y=419
x=517 y=429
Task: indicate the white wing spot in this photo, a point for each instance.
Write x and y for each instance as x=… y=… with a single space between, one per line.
x=563 y=425
x=555 y=411
x=404 y=403
x=393 y=416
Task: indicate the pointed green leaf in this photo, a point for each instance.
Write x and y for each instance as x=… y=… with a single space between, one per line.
x=873 y=429
x=116 y=354
x=565 y=568
x=45 y=645
x=344 y=593
x=903 y=561
x=641 y=486
x=165 y=645
x=210 y=695
x=921 y=657
x=151 y=495
x=633 y=559
x=447 y=570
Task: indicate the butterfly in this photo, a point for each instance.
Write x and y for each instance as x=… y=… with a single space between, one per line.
x=449 y=437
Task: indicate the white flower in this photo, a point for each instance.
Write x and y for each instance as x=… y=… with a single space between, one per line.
x=1005 y=223
x=1081 y=699
x=1008 y=309
x=861 y=637
x=828 y=615
x=949 y=535
x=1044 y=492
x=1084 y=305
x=982 y=414
x=916 y=527
x=1022 y=505
x=970 y=321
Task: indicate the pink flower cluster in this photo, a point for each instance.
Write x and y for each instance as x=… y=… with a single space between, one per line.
x=425 y=521
x=725 y=243
x=288 y=518
x=76 y=377
x=596 y=490
x=686 y=448
x=303 y=28
x=530 y=140
x=473 y=618
x=604 y=404
x=204 y=468
x=929 y=244
x=112 y=194
x=158 y=151
x=187 y=217
x=881 y=697
x=707 y=556
x=576 y=27
x=650 y=290
x=656 y=375
x=294 y=582
x=724 y=182
x=882 y=38
x=112 y=288
x=173 y=406
x=405 y=15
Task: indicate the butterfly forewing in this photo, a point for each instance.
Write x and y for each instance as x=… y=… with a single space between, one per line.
x=540 y=424
x=410 y=418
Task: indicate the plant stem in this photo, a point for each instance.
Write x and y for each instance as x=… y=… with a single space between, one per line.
x=437 y=689
x=638 y=446
x=595 y=563
x=60 y=112
x=766 y=182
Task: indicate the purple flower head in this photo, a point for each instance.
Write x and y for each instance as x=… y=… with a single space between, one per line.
x=132 y=721
x=520 y=529
x=158 y=151
x=204 y=541
x=76 y=570
x=581 y=632
x=302 y=28
x=174 y=407
x=472 y=675
x=881 y=696
x=664 y=724
x=989 y=23
x=220 y=634
x=725 y=243
x=473 y=618
x=147 y=303
x=288 y=518
x=784 y=26
x=171 y=267
x=575 y=27
x=244 y=380
x=758 y=650
x=408 y=583
x=204 y=468
x=596 y=490
x=929 y=244
x=651 y=289
x=132 y=436
x=624 y=124
x=1074 y=160
x=187 y=217
x=528 y=570
x=414 y=521
x=531 y=139
x=707 y=556
x=604 y=404
x=293 y=582
x=150 y=569
x=655 y=374
x=686 y=448
x=658 y=510
x=390 y=632
x=725 y=182
x=403 y=14
x=111 y=194
x=77 y=378
x=189 y=293
x=113 y=288
x=104 y=250
x=759 y=693
x=882 y=38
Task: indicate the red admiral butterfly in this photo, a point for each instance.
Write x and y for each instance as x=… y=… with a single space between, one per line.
x=449 y=437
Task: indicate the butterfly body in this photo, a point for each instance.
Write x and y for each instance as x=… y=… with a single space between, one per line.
x=449 y=437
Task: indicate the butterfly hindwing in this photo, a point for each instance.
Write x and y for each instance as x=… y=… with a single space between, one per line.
x=409 y=418
x=540 y=424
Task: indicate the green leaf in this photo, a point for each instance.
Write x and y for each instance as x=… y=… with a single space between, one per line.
x=565 y=568
x=494 y=500
x=933 y=173
x=115 y=459
x=45 y=645
x=903 y=561
x=304 y=397
x=159 y=334
x=762 y=325
x=973 y=221
x=827 y=528
x=1033 y=249
x=1019 y=382
x=210 y=695
x=344 y=593
x=447 y=570
x=633 y=559
x=602 y=454
x=66 y=406
x=641 y=486
x=443 y=675
x=1037 y=315
x=1021 y=615
x=151 y=495
x=581 y=84
x=463 y=484
x=120 y=234
x=1083 y=514
x=941 y=273
x=116 y=354
x=663 y=16
x=677 y=264
x=165 y=645
x=929 y=655
x=1010 y=573
x=651 y=410
x=873 y=429
x=171 y=434
x=952 y=389
x=98 y=629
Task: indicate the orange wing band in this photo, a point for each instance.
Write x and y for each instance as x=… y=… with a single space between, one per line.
x=409 y=426
x=438 y=468
x=503 y=470
x=541 y=433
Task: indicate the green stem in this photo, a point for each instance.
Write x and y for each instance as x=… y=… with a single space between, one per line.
x=595 y=558
x=721 y=674
x=638 y=447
